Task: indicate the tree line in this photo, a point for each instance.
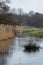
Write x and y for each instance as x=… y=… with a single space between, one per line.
x=18 y=17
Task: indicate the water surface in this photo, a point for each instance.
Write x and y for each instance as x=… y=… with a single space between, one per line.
x=17 y=56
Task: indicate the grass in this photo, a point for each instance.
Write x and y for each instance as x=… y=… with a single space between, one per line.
x=6 y=32
x=35 y=32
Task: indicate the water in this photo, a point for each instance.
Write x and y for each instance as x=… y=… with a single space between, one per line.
x=4 y=45
x=17 y=56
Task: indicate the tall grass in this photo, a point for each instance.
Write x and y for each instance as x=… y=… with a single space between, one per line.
x=6 y=31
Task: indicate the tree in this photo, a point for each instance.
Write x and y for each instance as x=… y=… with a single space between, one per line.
x=8 y=1
x=3 y=7
x=20 y=11
x=31 y=13
x=13 y=11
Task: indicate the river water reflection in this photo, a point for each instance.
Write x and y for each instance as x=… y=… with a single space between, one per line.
x=4 y=47
x=18 y=57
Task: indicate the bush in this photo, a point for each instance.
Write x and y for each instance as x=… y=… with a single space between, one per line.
x=31 y=47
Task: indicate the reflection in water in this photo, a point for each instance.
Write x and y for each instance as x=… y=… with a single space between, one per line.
x=2 y=59
x=4 y=46
x=19 y=57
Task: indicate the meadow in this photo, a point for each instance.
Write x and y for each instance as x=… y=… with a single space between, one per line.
x=35 y=32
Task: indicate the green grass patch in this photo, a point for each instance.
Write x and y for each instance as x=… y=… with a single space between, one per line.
x=36 y=32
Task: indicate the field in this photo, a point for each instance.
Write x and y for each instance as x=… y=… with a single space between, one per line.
x=35 y=32
x=31 y=31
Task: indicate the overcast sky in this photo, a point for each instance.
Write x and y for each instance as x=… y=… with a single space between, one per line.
x=27 y=5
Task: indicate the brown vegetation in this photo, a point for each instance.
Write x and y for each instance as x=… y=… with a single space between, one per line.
x=6 y=32
x=6 y=35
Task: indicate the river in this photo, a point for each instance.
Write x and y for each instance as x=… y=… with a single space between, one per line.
x=17 y=56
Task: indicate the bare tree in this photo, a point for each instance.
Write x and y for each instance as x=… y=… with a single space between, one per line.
x=4 y=8
x=13 y=11
x=20 y=11
x=31 y=13
x=8 y=1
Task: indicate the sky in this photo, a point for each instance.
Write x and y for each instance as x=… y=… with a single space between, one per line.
x=28 y=5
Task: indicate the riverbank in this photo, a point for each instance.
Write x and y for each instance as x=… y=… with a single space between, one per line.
x=34 y=32
x=7 y=33
x=29 y=31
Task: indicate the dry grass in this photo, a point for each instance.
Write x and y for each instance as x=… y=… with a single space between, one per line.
x=6 y=32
